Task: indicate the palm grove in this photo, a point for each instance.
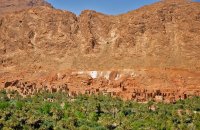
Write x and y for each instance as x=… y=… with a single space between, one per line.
x=57 y=111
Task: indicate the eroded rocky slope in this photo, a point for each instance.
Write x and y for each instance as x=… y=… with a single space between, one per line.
x=38 y=41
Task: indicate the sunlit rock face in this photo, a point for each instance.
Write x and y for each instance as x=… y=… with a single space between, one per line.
x=161 y=35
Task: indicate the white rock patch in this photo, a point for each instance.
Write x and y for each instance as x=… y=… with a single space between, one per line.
x=93 y=74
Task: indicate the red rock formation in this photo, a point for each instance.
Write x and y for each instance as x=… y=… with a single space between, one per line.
x=163 y=35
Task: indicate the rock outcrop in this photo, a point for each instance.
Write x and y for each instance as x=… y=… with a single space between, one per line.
x=35 y=42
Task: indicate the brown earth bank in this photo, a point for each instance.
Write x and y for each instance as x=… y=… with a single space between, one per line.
x=149 y=53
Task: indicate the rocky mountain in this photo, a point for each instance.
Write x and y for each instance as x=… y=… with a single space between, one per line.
x=7 y=6
x=165 y=34
x=38 y=41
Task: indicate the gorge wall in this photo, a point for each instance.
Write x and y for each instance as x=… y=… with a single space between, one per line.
x=160 y=42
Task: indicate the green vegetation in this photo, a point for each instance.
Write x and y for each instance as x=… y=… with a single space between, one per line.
x=56 y=111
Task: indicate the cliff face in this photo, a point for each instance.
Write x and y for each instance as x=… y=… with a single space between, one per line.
x=41 y=40
x=165 y=34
